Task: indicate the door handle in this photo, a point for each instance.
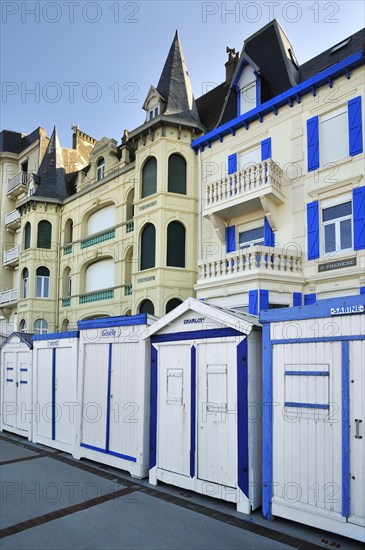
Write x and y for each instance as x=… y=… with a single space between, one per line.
x=357 y=423
x=17 y=384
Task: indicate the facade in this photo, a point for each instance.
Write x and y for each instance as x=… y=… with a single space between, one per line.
x=242 y=197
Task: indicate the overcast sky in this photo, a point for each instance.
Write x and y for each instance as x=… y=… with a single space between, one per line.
x=91 y=63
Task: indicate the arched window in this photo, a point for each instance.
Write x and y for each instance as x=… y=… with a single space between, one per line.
x=148 y=247
x=99 y=275
x=171 y=304
x=23 y=326
x=147 y=307
x=40 y=326
x=101 y=219
x=100 y=169
x=68 y=233
x=175 y=245
x=25 y=283
x=44 y=237
x=65 y=325
x=42 y=282
x=177 y=174
x=67 y=282
x=130 y=205
x=149 y=177
x=128 y=266
x=27 y=234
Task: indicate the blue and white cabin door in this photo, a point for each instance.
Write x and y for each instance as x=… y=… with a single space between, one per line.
x=307 y=427
x=65 y=395
x=95 y=391
x=217 y=412
x=357 y=432
x=174 y=409
x=43 y=393
x=16 y=394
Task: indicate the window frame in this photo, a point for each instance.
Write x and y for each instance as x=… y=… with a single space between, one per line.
x=250 y=227
x=337 y=201
x=42 y=329
x=25 y=285
x=43 y=279
x=100 y=169
x=324 y=118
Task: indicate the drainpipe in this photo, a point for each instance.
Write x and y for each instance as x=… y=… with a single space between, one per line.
x=200 y=183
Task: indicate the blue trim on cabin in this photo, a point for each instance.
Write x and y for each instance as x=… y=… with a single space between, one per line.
x=125 y=321
x=23 y=382
x=120 y=455
x=306 y=405
x=322 y=308
x=267 y=422
x=153 y=409
x=56 y=336
x=53 y=394
x=9 y=368
x=315 y=340
x=242 y=418
x=345 y=430
x=192 y=411
x=111 y=453
x=306 y=373
x=109 y=389
x=10 y=380
x=196 y=335
x=335 y=71
x=93 y=448
x=24 y=370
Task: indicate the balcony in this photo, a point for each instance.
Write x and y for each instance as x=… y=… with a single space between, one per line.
x=97 y=296
x=129 y=227
x=255 y=260
x=12 y=220
x=11 y=257
x=66 y=302
x=18 y=185
x=243 y=191
x=98 y=238
x=67 y=249
x=9 y=298
x=128 y=290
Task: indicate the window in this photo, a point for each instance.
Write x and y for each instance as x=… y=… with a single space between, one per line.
x=175 y=245
x=337 y=227
x=100 y=169
x=44 y=237
x=250 y=158
x=334 y=137
x=68 y=233
x=25 y=283
x=65 y=325
x=147 y=307
x=99 y=275
x=251 y=237
x=248 y=97
x=101 y=219
x=23 y=325
x=149 y=177
x=177 y=174
x=42 y=282
x=27 y=235
x=40 y=326
x=171 y=304
x=148 y=246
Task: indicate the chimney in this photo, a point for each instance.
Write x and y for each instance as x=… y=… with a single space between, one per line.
x=231 y=64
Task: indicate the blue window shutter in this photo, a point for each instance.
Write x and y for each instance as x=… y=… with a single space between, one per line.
x=309 y=299
x=313 y=143
x=358 y=208
x=362 y=290
x=355 y=126
x=313 y=230
x=232 y=163
x=297 y=299
x=266 y=149
x=230 y=238
x=269 y=237
x=253 y=298
x=264 y=299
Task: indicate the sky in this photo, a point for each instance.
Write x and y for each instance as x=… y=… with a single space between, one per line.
x=91 y=63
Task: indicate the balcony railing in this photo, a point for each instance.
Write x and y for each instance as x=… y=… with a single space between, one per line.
x=97 y=296
x=9 y=297
x=244 y=182
x=11 y=256
x=99 y=238
x=129 y=226
x=128 y=290
x=12 y=218
x=67 y=249
x=19 y=182
x=66 y=302
x=262 y=258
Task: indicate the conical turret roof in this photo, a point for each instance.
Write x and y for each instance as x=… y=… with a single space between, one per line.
x=51 y=173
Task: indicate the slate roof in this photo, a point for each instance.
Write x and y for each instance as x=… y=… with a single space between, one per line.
x=51 y=173
x=15 y=142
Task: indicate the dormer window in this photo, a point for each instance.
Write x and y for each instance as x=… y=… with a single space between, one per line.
x=100 y=169
x=248 y=89
x=153 y=104
x=153 y=112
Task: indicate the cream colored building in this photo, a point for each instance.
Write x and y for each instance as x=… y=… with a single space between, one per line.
x=250 y=197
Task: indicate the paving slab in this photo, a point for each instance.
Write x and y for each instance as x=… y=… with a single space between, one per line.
x=138 y=521
x=9 y=451
x=36 y=487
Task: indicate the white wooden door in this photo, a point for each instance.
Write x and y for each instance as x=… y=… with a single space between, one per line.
x=174 y=379
x=125 y=408
x=23 y=390
x=216 y=412
x=10 y=401
x=307 y=425
x=43 y=392
x=94 y=403
x=357 y=432
x=65 y=395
